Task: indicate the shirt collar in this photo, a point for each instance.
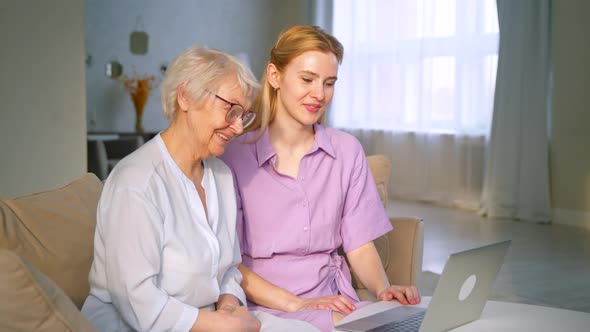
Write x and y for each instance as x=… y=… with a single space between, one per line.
x=264 y=150
x=322 y=141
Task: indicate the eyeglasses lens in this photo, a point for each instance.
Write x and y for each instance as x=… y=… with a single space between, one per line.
x=236 y=112
x=248 y=119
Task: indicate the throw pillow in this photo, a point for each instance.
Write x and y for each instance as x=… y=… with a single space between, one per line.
x=30 y=301
x=54 y=231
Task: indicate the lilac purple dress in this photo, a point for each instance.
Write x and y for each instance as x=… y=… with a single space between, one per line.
x=290 y=228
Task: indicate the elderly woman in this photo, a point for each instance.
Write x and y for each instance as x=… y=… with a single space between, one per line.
x=165 y=249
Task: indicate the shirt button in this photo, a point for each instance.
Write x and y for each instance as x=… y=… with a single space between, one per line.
x=305 y=228
x=303 y=204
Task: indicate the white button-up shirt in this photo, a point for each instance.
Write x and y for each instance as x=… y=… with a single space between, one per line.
x=157 y=257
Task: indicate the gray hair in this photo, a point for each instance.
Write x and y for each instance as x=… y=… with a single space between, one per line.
x=206 y=69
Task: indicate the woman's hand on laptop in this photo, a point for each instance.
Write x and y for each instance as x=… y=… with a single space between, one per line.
x=404 y=294
x=336 y=303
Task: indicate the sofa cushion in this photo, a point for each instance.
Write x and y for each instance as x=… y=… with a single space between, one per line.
x=54 y=232
x=32 y=302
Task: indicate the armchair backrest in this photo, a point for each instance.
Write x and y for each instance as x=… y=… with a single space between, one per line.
x=380 y=169
x=401 y=249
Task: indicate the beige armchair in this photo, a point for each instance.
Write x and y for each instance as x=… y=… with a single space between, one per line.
x=401 y=249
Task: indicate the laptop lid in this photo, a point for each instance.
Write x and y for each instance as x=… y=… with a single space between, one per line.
x=464 y=287
x=460 y=295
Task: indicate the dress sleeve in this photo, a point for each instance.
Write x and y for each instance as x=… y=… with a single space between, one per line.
x=133 y=239
x=364 y=218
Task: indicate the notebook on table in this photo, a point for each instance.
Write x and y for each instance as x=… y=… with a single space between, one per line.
x=459 y=297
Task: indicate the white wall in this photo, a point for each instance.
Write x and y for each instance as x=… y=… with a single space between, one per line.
x=234 y=26
x=570 y=135
x=42 y=113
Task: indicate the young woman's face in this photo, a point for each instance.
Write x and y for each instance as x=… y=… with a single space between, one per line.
x=306 y=86
x=212 y=132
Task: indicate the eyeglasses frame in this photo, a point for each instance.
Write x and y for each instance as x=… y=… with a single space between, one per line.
x=241 y=116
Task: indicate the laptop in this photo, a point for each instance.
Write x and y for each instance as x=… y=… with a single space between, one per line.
x=459 y=297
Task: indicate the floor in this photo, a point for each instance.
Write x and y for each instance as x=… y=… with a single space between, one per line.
x=546 y=264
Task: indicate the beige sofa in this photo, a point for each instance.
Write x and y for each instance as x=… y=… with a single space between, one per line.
x=46 y=244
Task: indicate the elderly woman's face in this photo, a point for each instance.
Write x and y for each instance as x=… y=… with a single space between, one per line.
x=209 y=123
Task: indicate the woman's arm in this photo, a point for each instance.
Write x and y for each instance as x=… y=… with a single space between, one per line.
x=232 y=278
x=131 y=239
x=264 y=293
x=365 y=261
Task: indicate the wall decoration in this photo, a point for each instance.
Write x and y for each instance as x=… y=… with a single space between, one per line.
x=139 y=39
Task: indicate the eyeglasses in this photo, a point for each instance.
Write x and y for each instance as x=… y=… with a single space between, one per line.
x=236 y=111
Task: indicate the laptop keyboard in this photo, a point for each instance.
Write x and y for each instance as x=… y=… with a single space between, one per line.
x=411 y=324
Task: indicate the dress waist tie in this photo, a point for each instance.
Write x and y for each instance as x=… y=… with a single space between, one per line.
x=342 y=277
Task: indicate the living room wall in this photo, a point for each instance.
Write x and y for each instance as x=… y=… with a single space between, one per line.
x=42 y=118
x=570 y=134
x=235 y=26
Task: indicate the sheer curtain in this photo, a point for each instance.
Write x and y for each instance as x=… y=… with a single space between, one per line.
x=417 y=84
x=517 y=171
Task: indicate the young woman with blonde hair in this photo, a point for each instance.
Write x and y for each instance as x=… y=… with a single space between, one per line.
x=303 y=190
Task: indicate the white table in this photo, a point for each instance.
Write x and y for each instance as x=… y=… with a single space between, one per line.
x=504 y=316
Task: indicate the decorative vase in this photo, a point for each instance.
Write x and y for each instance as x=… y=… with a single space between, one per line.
x=139 y=88
x=138 y=124
x=139 y=98
x=139 y=106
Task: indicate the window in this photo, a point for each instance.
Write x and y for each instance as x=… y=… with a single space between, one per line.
x=420 y=65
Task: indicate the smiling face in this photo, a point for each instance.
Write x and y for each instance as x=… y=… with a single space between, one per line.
x=210 y=133
x=305 y=87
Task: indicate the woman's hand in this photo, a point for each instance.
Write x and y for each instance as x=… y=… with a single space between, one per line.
x=227 y=303
x=226 y=319
x=336 y=303
x=367 y=264
x=404 y=294
x=247 y=322
x=230 y=316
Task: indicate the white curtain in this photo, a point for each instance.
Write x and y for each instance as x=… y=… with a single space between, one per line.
x=442 y=169
x=517 y=171
x=417 y=84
